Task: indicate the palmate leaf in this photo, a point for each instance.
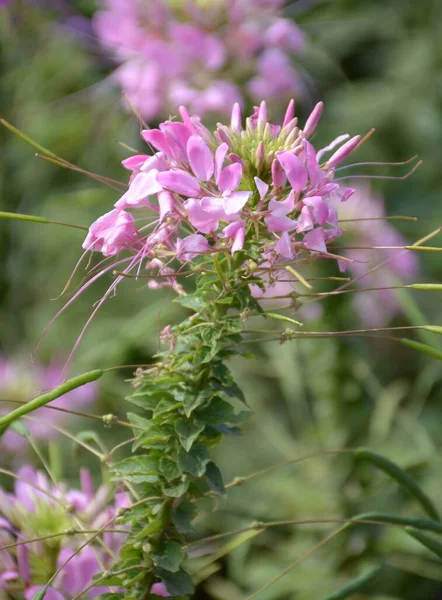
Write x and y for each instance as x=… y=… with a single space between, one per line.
x=188 y=432
x=138 y=469
x=178 y=583
x=183 y=516
x=170 y=558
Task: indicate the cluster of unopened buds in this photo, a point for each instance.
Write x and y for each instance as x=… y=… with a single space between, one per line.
x=261 y=187
x=205 y=54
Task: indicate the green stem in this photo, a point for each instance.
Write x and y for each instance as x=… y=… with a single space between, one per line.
x=39 y=401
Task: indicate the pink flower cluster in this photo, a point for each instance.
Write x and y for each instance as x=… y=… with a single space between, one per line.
x=200 y=193
x=205 y=54
x=37 y=509
x=20 y=381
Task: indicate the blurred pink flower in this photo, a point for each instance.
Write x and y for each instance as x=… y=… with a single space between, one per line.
x=200 y=54
x=20 y=381
x=25 y=516
x=375 y=309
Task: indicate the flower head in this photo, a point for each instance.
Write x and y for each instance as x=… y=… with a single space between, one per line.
x=257 y=188
x=173 y=53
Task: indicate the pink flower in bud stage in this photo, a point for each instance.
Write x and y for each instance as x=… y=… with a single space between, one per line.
x=174 y=53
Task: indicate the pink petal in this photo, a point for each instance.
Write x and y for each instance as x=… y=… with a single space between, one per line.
x=191 y=246
x=176 y=135
x=157 y=139
x=262 y=114
x=235 y=201
x=344 y=151
x=214 y=206
x=294 y=169
x=236 y=231
x=313 y=120
x=133 y=162
x=179 y=132
x=305 y=220
x=157 y=161
x=283 y=247
x=220 y=155
x=278 y=175
x=236 y=122
x=204 y=221
x=262 y=187
x=142 y=186
x=318 y=208
x=289 y=113
x=280 y=208
x=314 y=240
x=200 y=158
x=333 y=144
x=279 y=224
x=166 y=203
x=316 y=175
x=230 y=178
x=180 y=182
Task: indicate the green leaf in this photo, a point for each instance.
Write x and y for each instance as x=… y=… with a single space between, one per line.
x=228 y=300
x=149 y=400
x=215 y=478
x=151 y=528
x=407 y=482
x=165 y=405
x=209 y=333
x=425 y=348
x=138 y=469
x=193 y=400
x=355 y=585
x=177 y=490
x=138 y=422
x=192 y=301
x=220 y=411
x=206 y=353
x=169 y=468
x=170 y=558
x=428 y=541
x=188 y=431
x=183 y=516
x=195 y=461
x=178 y=584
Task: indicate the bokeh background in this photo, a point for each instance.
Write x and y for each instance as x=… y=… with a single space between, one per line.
x=375 y=64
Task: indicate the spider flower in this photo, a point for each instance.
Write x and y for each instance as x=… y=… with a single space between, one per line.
x=259 y=189
x=34 y=520
x=20 y=382
x=200 y=53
